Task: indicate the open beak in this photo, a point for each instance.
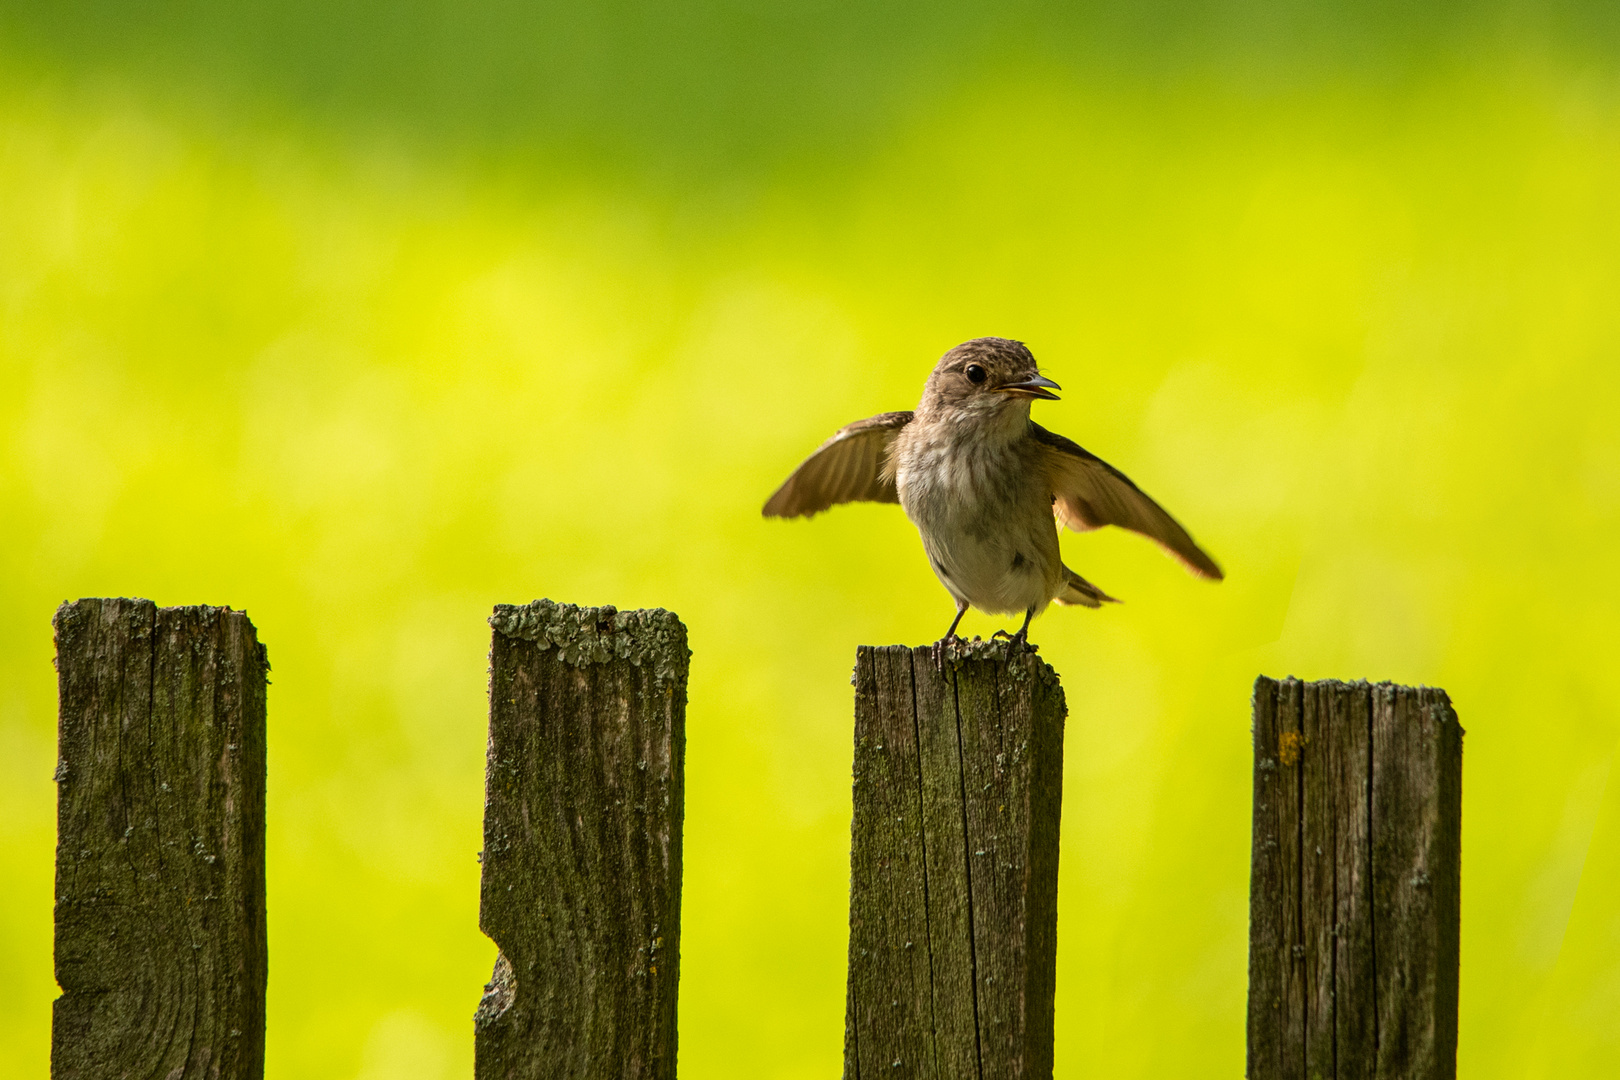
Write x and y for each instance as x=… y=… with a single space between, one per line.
x=1035 y=386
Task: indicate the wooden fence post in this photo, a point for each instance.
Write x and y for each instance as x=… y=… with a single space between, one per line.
x=582 y=842
x=1355 y=883
x=160 y=924
x=953 y=864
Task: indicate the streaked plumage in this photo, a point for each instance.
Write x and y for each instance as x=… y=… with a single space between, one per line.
x=985 y=485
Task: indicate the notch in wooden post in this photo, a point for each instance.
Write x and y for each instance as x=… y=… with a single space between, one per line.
x=160 y=925
x=1355 y=890
x=582 y=842
x=953 y=864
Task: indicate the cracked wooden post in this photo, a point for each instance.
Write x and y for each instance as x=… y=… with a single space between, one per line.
x=582 y=843
x=1355 y=884
x=953 y=864
x=160 y=924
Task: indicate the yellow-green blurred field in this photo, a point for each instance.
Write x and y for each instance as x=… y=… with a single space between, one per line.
x=366 y=318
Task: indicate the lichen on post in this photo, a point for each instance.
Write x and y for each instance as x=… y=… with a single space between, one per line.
x=583 y=811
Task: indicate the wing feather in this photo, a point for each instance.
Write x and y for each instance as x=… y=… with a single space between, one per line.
x=1089 y=493
x=849 y=467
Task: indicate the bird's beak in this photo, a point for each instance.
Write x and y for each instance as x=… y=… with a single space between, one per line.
x=1035 y=386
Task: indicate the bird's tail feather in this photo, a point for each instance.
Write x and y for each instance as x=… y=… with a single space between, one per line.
x=1077 y=590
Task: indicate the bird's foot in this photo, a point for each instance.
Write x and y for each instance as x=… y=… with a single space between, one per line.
x=1019 y=642
x=941 y=649
x=1016 y=643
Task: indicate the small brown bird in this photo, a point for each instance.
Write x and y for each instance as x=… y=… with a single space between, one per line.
x=985 y=486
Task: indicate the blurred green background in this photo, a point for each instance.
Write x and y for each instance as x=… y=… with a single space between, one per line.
x=365 y=317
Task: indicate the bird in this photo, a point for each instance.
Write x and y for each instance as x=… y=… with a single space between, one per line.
x=986 y=487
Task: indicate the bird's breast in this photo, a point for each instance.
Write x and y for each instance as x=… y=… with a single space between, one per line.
x=953 y=480
x=985 y=517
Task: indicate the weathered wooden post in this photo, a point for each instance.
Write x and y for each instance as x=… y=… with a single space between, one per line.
x=1355 y=884
x=160 y=924
x=582 y=843
x=953 y=865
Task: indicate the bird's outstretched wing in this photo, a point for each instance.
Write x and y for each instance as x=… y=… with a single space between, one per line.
x=848 y=467
x=1089 y=493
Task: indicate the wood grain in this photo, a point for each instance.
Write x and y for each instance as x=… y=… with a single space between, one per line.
x=1354 y=891
x=161 y=947
x=583 y=811
x=1416 y=871
x=953 y=866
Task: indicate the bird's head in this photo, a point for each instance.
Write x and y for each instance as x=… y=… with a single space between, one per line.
x=984 y=380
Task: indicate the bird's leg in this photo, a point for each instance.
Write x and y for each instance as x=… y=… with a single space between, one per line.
x=1022 y=637
x=950 y=636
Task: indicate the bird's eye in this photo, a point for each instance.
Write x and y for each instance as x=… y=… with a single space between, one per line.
x=975 y=374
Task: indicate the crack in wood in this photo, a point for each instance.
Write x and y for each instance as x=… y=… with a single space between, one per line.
x=953 y=768
x=1355 y=886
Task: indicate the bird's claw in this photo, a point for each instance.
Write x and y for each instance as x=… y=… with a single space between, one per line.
x=941 y=648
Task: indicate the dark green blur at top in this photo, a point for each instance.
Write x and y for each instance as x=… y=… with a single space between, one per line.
x=698 y=92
